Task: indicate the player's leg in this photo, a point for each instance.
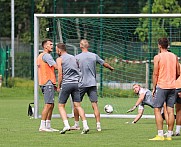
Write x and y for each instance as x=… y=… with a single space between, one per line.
x=92 y=93
x=171 y=120
x=82 y=115
x=158 y=119
x=158 y=102
x=44 y=115
x=165 y=117
x=63 y=96
x=62 y=111
x=165 y=113
x=170 y=110
x=76 y=126
x=48 y=92
x=140 y=113
x=48 y=120
x=76 y=100
x=178 y=112
x=178 y=119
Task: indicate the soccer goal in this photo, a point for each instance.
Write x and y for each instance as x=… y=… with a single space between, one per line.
x=128 y=42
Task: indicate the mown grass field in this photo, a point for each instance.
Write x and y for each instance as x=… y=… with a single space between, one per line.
x=17 y=129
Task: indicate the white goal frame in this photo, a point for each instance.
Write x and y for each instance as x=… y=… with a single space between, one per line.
x=36 y=49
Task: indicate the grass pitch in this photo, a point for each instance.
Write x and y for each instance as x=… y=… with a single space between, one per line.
x=17 y=129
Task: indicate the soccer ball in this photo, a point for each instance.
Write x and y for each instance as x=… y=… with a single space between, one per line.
x=108 y=109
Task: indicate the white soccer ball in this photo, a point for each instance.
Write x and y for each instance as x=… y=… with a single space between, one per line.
x=108 y=109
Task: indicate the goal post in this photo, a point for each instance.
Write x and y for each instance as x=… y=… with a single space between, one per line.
x=126 y=42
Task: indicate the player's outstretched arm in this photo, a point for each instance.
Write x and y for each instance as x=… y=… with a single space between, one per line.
x=132 y=109
x=139 y=115
x=140 y=99
x=106 y=65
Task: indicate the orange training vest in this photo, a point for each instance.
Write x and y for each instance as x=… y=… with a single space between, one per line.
x=167 y=70
x=45 y=72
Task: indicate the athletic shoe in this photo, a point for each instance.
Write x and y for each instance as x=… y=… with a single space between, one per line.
x=54 y=130
x=85 y=130
x=99 y=128
x=177 y=134
x=167 y=133
x=65 y=129
x=168 y=138
x=74 y=128
x=158 y=138
x=45 y=130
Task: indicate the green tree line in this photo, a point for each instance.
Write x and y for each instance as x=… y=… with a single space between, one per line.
x=24 y=11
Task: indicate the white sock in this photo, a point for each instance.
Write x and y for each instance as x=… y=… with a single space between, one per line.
x=43 y=124
x=85 y=124
x=178 y=127
x=160 y=133
x=169 y=134
x=98 y=124
x=66 y=123
x=77 y=123
x=48 y=125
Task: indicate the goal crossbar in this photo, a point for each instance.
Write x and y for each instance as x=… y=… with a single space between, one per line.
x=106 y=15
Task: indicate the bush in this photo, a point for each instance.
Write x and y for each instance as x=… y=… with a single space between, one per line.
x=10 y=82
x=112 y=92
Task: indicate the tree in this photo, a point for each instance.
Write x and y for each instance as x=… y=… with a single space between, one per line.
x=161 y=25
x=5 y=19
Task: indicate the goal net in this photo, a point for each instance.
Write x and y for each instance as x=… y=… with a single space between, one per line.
x=128 y=42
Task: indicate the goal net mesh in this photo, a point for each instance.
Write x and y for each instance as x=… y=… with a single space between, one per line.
x=127 y=44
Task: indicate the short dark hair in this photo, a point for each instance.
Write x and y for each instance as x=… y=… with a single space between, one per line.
x=62 y=46
x=45 y=41
x=163 y=42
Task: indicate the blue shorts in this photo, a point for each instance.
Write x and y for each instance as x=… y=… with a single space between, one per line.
x=67 y=90
x=49 y=93
x=91 y=92
x=164 y=95
x=178 y=99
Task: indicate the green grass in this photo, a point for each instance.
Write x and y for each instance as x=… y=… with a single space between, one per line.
x=17 y=129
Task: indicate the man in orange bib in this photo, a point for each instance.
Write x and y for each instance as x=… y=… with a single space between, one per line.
x=166 y=71
x=47 y=80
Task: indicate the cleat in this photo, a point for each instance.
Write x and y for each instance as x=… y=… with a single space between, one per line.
x=45 y=130
x=177 y=134
x=85 y=131
x=167 y=133
x=65 y=129
x=168 y=138
x=99 y=129
x=158 y=138
x=74 y=128
x=54 y=130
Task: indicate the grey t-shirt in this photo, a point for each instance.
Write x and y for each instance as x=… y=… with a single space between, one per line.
x=148 y=99
x=70 y=69
x=87 y=65
x=50 y=61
